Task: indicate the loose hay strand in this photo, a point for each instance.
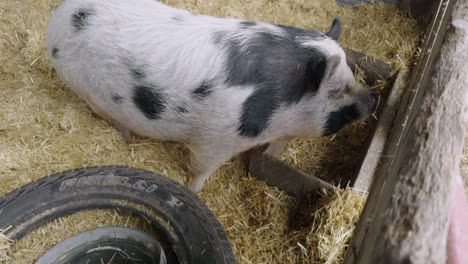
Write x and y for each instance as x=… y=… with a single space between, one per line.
x=5 y=244
x=337 y=222
x=45 y=128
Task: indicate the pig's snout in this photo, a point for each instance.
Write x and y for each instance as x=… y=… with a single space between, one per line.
x=375 y=101
x=368 y=103
x=346 y=114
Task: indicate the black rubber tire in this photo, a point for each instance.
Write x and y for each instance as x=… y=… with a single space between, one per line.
x=193 y=234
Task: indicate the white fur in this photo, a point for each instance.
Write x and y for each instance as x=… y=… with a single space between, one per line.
x=177 y=56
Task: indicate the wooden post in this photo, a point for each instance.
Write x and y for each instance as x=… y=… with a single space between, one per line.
x=405 y=219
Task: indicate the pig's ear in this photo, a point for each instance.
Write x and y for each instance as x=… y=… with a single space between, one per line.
x=335 y=30
x=318 y=73
x=332 y=63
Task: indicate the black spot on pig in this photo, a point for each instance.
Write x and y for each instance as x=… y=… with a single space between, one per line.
x=277 y=62
x=117 y=98
x=81 y=18
x=203 y=91
x=55 y=52
x=247 y=24
x=338 y=119
x=182 y=110
x=256 y=112
x=278 y=65
x=149 y=100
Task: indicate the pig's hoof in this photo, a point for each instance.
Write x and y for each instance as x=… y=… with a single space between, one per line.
x=195 y=186
x=126 y=134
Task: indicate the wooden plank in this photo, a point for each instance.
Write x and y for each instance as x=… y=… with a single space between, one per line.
x=406 y=215
x=380 y=137
x=429 y=41
x=286 y=178
x=430 y=45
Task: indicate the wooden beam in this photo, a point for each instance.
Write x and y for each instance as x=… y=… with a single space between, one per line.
x=405 y=219
x=286 y=178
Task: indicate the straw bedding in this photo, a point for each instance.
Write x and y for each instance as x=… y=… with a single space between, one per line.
x=45 y=128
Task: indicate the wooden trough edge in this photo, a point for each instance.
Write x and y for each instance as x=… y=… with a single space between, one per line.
x=405 y=219
x=380 y=137
x=298 y=183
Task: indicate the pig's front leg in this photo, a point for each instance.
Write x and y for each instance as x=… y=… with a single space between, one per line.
x=275 y=148
x=204 y=161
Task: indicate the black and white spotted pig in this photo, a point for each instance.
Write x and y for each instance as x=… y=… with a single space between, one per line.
x=221 y=86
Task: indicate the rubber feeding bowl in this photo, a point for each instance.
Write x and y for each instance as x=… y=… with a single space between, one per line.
x=106 y=245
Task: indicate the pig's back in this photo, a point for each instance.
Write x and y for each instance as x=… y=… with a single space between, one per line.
x=147 y=65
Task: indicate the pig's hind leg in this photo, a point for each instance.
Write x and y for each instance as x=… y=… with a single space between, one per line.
x=204 y=161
